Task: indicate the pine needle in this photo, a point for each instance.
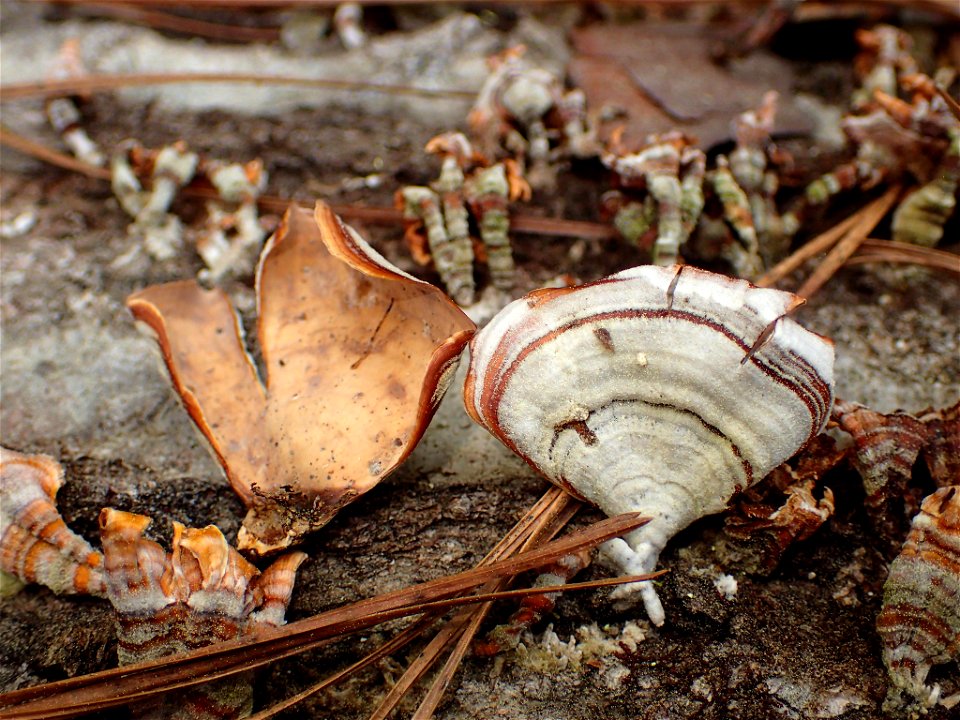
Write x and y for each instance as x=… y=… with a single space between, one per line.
x=544 y=520
x=843 y=250
x=105 y=83
x=888 y=251
x=112 y=688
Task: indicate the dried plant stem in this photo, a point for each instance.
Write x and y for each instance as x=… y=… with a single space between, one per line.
x=947 y=7
x=411 y=633
x=562 y=228
x=951 y=103
x=332 y=3
x=440 y=684
x=373 y=215
x=521 y=536
x=866 y=222
x=519 y=222
x=421 y=664
x=392 y=645
x=112 y=688
x=432 y=699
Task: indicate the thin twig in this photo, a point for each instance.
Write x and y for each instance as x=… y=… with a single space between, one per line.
x=374 y=215
x=527 y=525
x=18 y=142
x=562 y=228
x=474 y=616
x=43 y=705
x=396 y=643
x=443 y=679
x=332 y=3
x=421 y=664
x=946 y=7
x=867 y=221
x=546 y=508
x=546 y=518
x=951 y=103
x=440 y=684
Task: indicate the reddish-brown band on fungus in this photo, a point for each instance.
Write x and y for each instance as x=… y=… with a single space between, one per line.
x=942 y=451
x=886 y=447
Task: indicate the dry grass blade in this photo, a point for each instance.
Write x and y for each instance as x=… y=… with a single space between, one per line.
x=411 y=633
x=562 y=228
x=867 y=221
x=421 y=664
x=112 y=688
x=105 y=83
x=440 y=684
x=478 y=613
x=394 y=644
x=874 y=250
x=546 y=518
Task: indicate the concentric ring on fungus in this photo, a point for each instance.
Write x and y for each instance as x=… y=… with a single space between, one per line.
x=662 y=390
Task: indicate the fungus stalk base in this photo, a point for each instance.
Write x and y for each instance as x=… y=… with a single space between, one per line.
x=637 y=560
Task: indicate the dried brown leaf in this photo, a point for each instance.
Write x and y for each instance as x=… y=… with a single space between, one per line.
x=357 y=355
x=663 y=77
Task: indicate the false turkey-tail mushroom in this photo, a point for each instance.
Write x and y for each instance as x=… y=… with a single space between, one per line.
x=662 y=390
x=357 y=354
x=36 y=546
x=200 y=593
x=919 y=623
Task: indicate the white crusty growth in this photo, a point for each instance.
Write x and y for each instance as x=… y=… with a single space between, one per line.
x=661 y=390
